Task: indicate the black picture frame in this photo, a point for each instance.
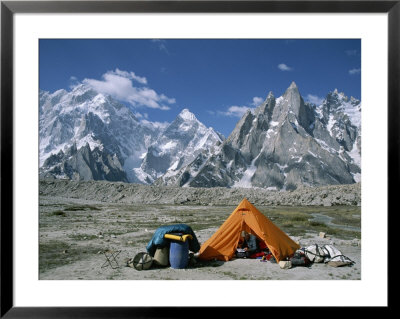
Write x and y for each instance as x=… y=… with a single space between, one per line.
x=9 y=8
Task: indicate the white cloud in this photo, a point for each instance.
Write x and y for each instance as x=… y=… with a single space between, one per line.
x=167 y=99
x=238 y=111
x=284 y=67
x=235 y=111
x=257 y=101
x=141 y=115
x=314 y=99
x=119 y=85
x=355 y=71
x=73 y=82
x=129 y=75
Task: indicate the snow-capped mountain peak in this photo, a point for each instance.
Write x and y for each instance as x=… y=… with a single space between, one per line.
x=177 y=146
x=106 y=130
x=186 y=115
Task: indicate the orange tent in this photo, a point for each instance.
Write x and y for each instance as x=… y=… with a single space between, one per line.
x=223 y=243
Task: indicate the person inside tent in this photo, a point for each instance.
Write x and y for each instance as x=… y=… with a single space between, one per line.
x=251 y=247
x=249 y=243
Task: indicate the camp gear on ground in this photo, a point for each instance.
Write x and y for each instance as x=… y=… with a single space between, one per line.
x=159 y=241
x=179 y=254
x=300 y=261
x=129 y=263
x=299 y=258
x=161 y=256
x=327 y=254
x=346 y=262
x=335 y=258
x=268 y=256
x=240 y=253
x=142 y=261
x=223 y=243
x=285 y=264
x=331 y=252
x=258 y=254
x=179 y=237
x=316 y=253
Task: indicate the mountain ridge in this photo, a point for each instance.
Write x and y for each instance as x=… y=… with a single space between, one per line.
x=282 y=144
x=88 y=135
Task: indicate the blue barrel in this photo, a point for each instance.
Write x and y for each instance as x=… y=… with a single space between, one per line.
x=179 y=254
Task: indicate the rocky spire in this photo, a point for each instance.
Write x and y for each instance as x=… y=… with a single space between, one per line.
x=267 y=107
x=290 y=102
x=293 y=86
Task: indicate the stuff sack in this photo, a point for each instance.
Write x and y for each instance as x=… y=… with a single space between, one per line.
x=161 y=256
x=142 y=261
x=316 y=254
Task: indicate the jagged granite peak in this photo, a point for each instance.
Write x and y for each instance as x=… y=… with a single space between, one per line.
x=283 y=144
x=290 y=101
x=267 y=106
x=293 y=85
x=342 y=118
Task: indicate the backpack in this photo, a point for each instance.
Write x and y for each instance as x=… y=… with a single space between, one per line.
x=299 y=258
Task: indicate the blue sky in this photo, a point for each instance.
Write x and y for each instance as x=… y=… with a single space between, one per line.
x=217 y=79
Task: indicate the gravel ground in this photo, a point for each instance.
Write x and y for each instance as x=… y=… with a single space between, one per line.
x=236 y=269
x=78 y=221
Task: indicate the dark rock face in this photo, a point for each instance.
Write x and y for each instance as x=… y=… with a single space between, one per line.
x=283 y=144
